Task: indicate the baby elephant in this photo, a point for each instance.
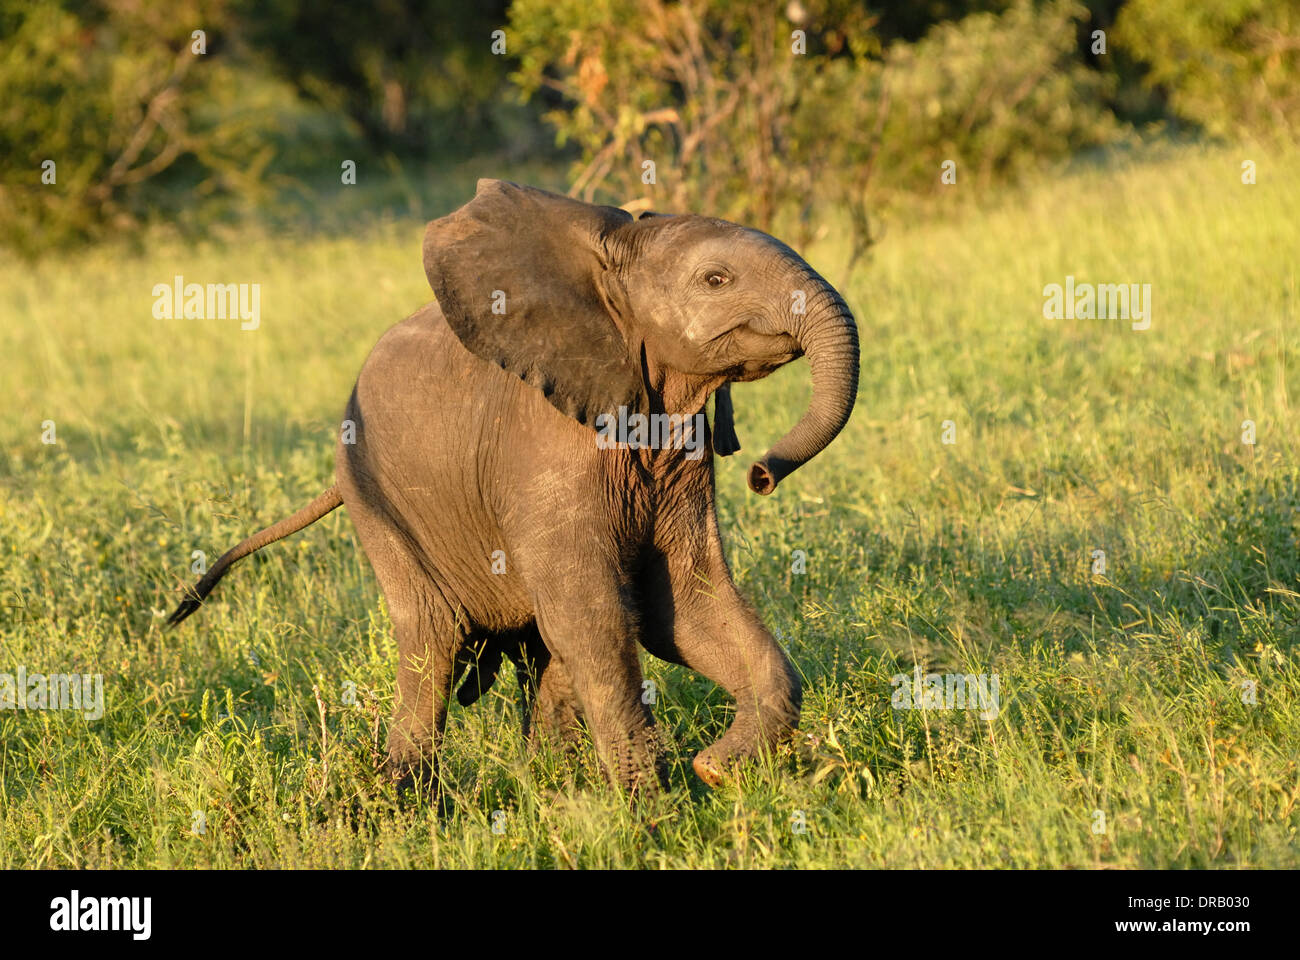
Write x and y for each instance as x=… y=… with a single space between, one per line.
x=530 y=470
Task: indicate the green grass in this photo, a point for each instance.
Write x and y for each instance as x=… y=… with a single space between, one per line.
x=1120 y=693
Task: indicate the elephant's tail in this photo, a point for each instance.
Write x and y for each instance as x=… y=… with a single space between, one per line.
x=308 y=515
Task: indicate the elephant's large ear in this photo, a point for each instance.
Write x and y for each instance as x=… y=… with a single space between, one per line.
x=518 y=274
x=725 y=441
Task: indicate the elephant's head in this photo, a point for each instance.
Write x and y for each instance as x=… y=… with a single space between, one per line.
x=600 y=311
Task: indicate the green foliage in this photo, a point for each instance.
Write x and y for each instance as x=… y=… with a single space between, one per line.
x=998 y=95
x=713 y=92
x=703 y=90
x=1231 y=66
x=1121 y=693
x=412 y=76
x=114 y=95
x=739 y=123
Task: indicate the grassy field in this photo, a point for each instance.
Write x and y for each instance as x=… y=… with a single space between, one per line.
x=1124 y=735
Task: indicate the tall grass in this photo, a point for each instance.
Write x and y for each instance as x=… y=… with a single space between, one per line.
x=1123 y=737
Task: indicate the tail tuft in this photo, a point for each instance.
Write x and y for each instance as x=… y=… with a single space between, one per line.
x=309 y=514
x=183 y=610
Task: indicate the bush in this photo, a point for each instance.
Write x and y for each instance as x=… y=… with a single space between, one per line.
x=1230 y=66
x=737 y=123
x=113 y=94
x=701 y=89
x=999 y=95
x=412 y=75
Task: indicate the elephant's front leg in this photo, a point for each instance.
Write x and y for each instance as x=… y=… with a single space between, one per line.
x=589 y=629
x=711 y=628
x=724 y=640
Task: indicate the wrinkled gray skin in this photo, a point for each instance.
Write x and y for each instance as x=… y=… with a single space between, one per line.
x=475 y=434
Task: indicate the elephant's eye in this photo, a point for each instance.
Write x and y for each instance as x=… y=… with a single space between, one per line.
x=716 y=279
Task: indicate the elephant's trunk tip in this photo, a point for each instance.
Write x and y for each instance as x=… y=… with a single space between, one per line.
x=764 y=476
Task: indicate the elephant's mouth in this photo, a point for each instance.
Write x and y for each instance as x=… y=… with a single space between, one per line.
x=763 y=353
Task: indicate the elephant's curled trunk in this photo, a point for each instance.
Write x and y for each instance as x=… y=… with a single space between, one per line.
x=829 y=338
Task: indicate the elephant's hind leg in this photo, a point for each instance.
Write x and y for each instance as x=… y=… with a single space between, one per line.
x=428 y=635
x=425 y=632
x=551 y=712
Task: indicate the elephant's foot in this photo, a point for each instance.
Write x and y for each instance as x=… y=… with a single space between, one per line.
x=714 y=767
x=708 y=767
x=637 y=765
x=744 y=741
x=412 y=772
x=413 y=782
